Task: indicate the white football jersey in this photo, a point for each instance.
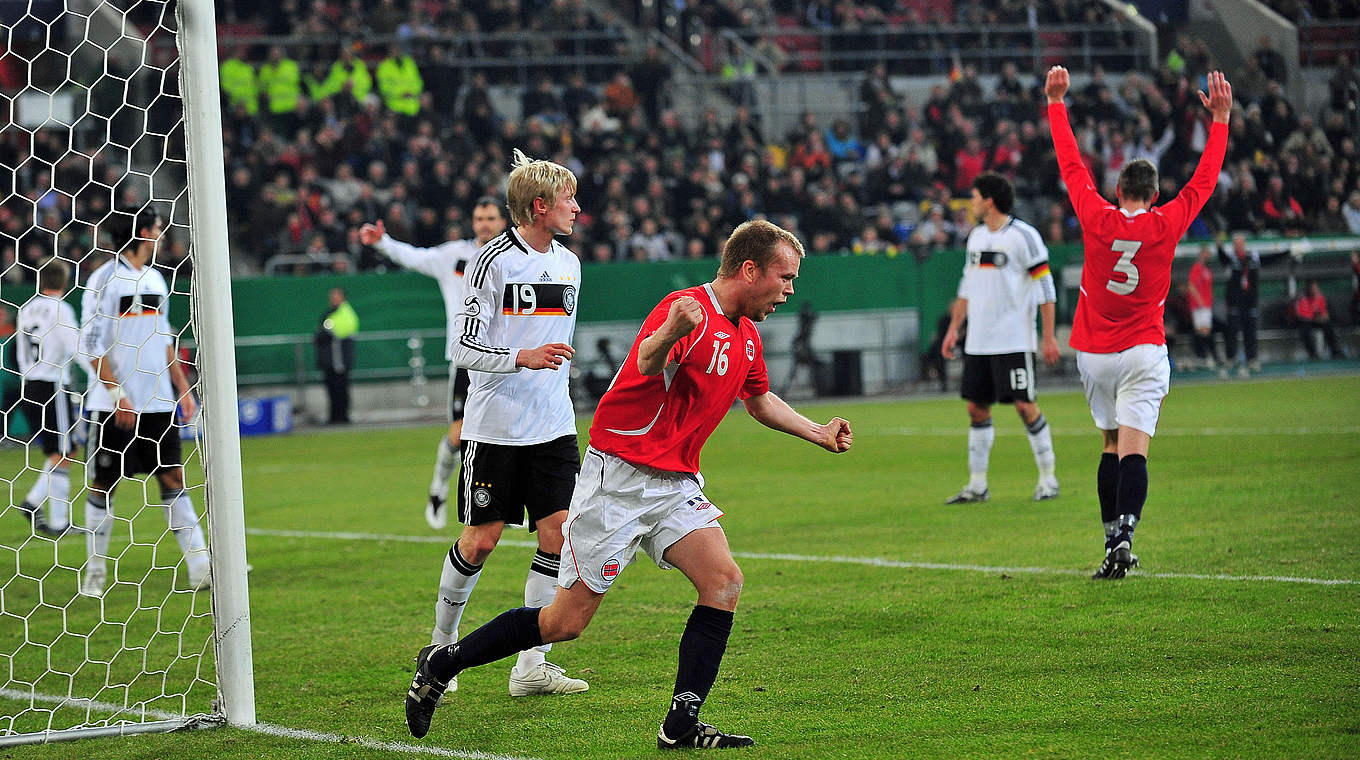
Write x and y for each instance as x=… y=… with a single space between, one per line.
x=47 y=336
x=124 y=319
x=1004 y=280
x=518 y=298
x=446 y=263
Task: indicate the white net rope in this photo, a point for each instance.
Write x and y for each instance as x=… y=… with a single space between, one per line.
x=91 y=122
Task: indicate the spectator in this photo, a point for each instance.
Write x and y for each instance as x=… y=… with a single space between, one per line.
x=1310 y=309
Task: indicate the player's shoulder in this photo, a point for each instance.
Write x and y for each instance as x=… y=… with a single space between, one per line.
x=491 y=256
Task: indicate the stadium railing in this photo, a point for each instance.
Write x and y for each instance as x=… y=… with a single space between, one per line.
x=936 y=49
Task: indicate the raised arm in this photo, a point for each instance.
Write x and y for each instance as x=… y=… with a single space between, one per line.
x=654 y=352
x=1196 y=192
x=1080 y=187
x=434 y=262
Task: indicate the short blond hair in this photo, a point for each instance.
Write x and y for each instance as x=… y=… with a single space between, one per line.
x=757 y=241
x=535 y=178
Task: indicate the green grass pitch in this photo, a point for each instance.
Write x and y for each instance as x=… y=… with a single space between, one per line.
x=979 y=635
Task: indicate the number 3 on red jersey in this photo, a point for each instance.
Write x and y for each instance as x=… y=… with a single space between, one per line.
x=1125 y=267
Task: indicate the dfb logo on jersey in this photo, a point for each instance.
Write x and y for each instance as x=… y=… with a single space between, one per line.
x=750 y=350
x=610 y=571
x=569 y=300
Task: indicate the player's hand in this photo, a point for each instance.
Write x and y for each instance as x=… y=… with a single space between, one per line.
x=187 y=407
x=838 y=436
x=685 y=315
x=1055 y=87
x=370 y=234
x=547 y=356
x=1219 y=100
x=1050 y=349
x=951 y=339
x=124 y=416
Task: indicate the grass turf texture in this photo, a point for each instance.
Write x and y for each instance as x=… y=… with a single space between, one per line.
x=835 y=659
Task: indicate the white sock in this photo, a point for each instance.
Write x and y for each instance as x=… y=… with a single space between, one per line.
x=456 y=582
x=59 y=499
x=38 y=493
x=183 y=522
x=540 y=588
x=99 y=528
x=446 y=459
x=980 y=437
x=1041 y=441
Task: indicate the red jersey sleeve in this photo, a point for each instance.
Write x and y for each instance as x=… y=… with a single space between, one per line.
x=757 y=378
x=1080 y=187
x=1188 y=202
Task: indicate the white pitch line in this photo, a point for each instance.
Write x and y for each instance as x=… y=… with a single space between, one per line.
x=268 y=729
x=868 y=561
x=1161 y=431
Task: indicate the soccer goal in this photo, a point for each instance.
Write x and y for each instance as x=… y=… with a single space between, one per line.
x=108 y=105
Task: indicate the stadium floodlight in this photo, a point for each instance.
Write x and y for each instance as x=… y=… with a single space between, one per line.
x=116 y=106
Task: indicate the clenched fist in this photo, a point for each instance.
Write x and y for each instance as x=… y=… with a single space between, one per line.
x=838 y=436
x=685 y=315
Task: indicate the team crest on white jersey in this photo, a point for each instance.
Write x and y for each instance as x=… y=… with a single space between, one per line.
x=569 y=300
x=750 y=350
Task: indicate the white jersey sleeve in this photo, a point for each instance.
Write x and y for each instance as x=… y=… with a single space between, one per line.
x=434 y=262
x=1035 y=257
x=475 y=348
x=447 y=263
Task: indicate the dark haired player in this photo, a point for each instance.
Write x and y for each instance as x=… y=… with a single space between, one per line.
x=1005 y=275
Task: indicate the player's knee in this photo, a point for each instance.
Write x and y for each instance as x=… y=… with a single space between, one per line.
x=475 y=549
x=728 y=588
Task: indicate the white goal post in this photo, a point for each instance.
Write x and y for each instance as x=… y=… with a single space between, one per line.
x=151 y=652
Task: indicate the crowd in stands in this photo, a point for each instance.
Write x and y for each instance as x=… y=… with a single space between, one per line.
x=317 y=147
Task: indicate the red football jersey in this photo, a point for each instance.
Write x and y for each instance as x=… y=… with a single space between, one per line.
x=662 y=421
x=1202 y=285
x=1128 y=256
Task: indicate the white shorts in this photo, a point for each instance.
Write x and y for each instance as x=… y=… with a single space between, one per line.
x=1126 y=389
x=618 y=507
x=1202 y=318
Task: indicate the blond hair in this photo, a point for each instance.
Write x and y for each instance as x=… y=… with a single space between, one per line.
x=535 y=178
x=757 y=241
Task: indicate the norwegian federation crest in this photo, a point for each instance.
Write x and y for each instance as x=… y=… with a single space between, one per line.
x=750 y=350
x=569 y=300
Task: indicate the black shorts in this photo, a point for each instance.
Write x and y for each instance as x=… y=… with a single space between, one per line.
x=47 y=408
x=1003 y=378
x=152 y=446
x=501 y=483
x=458 y=388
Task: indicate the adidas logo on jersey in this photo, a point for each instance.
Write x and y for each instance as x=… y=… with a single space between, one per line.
x=544 y=277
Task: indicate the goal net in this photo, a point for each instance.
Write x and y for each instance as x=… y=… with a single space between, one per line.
x=104 y=125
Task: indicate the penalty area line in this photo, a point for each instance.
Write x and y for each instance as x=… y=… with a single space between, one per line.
x=268 y=729
x=866 y=561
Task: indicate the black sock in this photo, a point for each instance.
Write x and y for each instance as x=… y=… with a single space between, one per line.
x=510 y=632
x=701 y=652
x=1107 y=487
x=1133 y=487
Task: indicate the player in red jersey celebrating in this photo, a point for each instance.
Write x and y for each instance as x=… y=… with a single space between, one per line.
x=1118 y=330
x=639 y=486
